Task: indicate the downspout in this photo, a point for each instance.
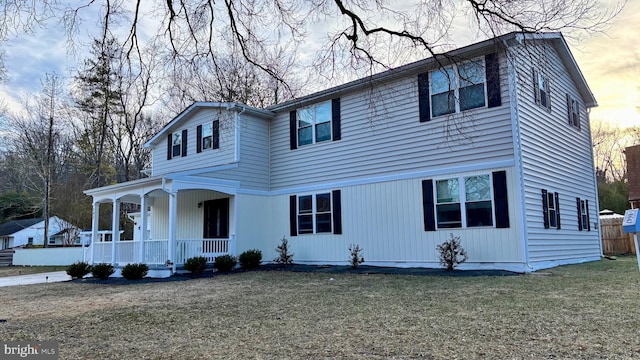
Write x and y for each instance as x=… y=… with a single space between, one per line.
x=517 y=151
x=595 y=184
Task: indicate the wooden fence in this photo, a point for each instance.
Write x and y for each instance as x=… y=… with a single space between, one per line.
x=614 y=239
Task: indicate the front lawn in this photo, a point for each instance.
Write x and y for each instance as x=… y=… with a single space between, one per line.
x=27 y=270
x=583 y=311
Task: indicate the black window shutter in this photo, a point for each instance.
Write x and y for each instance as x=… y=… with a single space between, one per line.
x=423 y=97
x=335 y=118
x=578 y=113
x=547 y=86
x=199 y=138
x=169 y=144
x=557 y=197
x=586 y=207
x=545 y=208
x=293 y=215
x=293 y=136
x=579 y=214
x=216 y=134
x=569 y=110
x=428 y=206
x=536 y=87
x=337 y=212
x=492 y=68
x=501 y=199
x=184 y=142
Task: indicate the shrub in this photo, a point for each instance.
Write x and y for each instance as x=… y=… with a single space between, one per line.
x=78 y=270
x=451 y=253
x=356 y=255
x=225 y=263
x=284 y=256
x=135 y=271
x=250 y=259
x=102 y=271
x=196 y=265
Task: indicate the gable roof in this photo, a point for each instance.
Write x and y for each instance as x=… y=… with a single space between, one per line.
x=13 y=226
x=229 y=106
x=473 y=50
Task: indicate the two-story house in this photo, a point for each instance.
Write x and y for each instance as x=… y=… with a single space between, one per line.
x=490 y=142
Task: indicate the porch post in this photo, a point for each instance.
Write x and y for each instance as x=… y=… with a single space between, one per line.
x=143 y=225
x=115 y=229
x=173 y=210
x=95 y=216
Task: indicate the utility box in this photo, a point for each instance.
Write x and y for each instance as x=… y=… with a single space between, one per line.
x=630 y=223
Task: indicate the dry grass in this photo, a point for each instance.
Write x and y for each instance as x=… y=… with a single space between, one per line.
x=26 y=270
x=584 y=311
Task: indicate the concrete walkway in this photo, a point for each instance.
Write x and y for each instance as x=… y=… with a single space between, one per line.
x=41 y=278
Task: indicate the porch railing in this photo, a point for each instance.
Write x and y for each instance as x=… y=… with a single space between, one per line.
x=209 y=248
x=156 y=252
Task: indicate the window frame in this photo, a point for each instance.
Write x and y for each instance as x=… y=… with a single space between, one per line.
x=542 y=85
x=584 y=223
x=204 y=136
x=176 y=135
x=455 y=86
x=314 y=122
x=573 y=112
x=314 y=213
x=464 y=202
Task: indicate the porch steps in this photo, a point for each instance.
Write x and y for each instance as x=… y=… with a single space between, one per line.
x=6 y=257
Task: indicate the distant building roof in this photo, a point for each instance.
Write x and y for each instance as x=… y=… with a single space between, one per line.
x=13 y=226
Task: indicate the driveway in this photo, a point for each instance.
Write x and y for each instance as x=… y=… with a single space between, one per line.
x=41 y=278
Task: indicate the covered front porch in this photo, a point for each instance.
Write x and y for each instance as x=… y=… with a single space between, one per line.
x=175 y=219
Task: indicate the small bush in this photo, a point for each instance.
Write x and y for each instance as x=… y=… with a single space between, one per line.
x=102 y=271
x=225 y=263
x=284 y=256
x=135 y=271
x=78 y=270
x=250 y=259
x=356 y=255
x=452 y=253
x=196 y=265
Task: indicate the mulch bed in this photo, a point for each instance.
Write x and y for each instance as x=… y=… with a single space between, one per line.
x=326 y=269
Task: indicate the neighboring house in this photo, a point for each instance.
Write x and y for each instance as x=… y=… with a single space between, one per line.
x=31 y=232
x=490 y=142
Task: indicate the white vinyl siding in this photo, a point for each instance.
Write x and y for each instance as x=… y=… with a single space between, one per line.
x=248 y=159
x=385 y=219
x=554 y=156
x=381 y=135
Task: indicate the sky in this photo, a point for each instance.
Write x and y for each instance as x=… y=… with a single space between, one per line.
x=610 y=62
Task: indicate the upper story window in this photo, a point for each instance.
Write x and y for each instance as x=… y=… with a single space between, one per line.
x=551 y=209
x=314 y=123
x=542 y=90
x=573 y=111
x=458 y=87
x=208 y=136
x=176 y=145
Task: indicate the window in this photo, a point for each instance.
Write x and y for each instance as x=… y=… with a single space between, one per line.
x=542 y=90
x=176 y=144
x=472 y=199
x=30 y=241
x=573 y=111
x=551 y=209
x=583 y=214
x=314 y=123
x=458 y=88
x=208 y=136
x=314 y=214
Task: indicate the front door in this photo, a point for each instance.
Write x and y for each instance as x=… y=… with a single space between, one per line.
x=216 y=219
